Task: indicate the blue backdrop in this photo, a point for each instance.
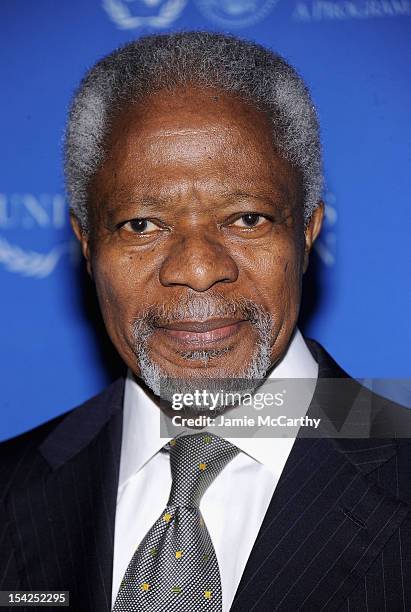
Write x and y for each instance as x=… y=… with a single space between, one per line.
x=356 y=58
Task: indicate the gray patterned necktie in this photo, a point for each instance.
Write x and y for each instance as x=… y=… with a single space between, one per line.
x=175 y=567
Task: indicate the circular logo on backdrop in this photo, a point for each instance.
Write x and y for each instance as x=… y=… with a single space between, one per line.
x=131 y=14
x=236 y=13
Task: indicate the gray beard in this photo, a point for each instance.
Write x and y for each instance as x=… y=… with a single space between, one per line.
x=198 y=308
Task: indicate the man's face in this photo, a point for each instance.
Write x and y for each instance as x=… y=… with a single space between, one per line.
x=196 y=242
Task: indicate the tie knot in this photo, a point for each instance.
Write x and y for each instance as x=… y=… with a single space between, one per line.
x=196 y=460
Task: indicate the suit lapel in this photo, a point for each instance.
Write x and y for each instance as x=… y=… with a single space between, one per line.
x=63 y=523
x=324 y=526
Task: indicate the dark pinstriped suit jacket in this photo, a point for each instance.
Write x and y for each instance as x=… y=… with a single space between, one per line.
x=336 y=535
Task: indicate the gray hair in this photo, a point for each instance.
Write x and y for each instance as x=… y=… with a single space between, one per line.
x=168 y=61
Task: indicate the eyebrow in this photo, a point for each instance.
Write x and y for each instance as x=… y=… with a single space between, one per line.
x=273 y=199
x=116 y=204
x=151 y=202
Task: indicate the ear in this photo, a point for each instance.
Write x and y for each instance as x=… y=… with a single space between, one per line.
x=312 y=230
x=83 y=237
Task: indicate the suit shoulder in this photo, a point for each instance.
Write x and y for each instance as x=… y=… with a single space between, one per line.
x=13 y=448
x=31 y=438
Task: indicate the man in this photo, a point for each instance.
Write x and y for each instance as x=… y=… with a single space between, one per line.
x=194 y=172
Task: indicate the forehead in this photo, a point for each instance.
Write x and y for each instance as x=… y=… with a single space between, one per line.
x=191 y=108
x=203 y=136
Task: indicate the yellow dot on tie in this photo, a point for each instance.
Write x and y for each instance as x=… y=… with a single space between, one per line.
x=176 y=589
x=145 y=586
x=208 y=594
x=207 y=439
x=172 y=442
x=153 y=551
x=206 y=557
x=179 y=554
x=167 y=517
x=202 y=466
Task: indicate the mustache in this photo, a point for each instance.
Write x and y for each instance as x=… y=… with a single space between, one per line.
x=200 y=308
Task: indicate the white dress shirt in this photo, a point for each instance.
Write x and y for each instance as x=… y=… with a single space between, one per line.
x=233 y=506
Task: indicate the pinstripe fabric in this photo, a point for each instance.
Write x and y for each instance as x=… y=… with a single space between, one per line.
x=60 y=503
x=336 y=535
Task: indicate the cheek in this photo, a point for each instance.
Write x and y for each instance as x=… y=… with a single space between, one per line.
x=114 y=287
x=123 y=282
x=275 y=274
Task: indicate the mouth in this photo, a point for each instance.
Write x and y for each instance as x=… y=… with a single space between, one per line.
x=195 y=333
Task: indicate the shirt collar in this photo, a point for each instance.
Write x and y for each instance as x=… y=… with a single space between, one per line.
x=141 y=424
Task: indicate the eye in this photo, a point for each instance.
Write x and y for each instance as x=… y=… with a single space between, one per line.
x=250 y=220
x=140 y=226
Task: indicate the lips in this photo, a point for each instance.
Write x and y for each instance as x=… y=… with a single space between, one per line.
x=202 y=332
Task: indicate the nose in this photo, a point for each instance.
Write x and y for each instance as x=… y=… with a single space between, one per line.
x=198 y=262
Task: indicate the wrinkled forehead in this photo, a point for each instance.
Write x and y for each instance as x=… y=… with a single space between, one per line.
x=188 y=112
x=194 y=126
